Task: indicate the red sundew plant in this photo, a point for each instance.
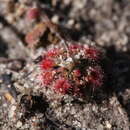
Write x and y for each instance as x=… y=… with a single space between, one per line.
x=62 y=85
x=47 y=63
x=69 y=71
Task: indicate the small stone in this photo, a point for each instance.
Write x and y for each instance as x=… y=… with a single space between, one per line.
x=55 y=19
x=1 y=25
x=10 y=18
x=100 y=127
x=12 y=111
x=71 y=22
x=77 y=26
x=1 y=80
x=16 y=65
x=13 y=108
x=19 y=124
x=5 y=105
x=67 y=2
x=108 y=125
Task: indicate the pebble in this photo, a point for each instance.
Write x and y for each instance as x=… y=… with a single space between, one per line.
x=67 y=2
x=71 y=22
x=100 y=127
x=1 y=25
x=19 y=124
x=12 y=111
x=77 y=26
x=5 y=105
x=55 y=19
x=108 y=125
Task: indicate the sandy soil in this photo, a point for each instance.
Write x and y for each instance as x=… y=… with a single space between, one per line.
x=106 y=23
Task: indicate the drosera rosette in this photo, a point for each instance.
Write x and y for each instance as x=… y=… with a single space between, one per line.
x=71 y=70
